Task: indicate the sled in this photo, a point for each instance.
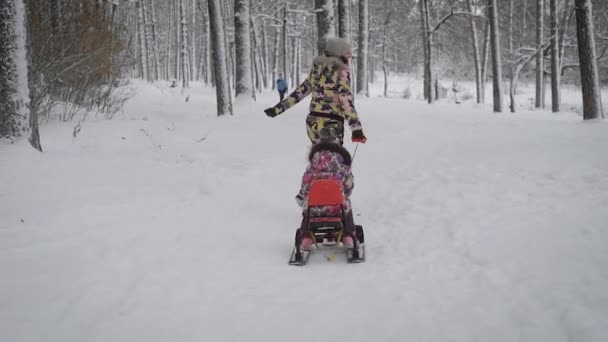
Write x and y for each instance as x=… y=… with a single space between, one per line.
x=327 y=231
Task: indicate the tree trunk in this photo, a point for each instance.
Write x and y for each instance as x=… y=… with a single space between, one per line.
x=592 y=105
x=564 y=23
x=276 y=61
x=18 y=113
x=384 y=67
x=540 y=67
x=484 y=64
x=178 y=35
x=362 y=53
x=427 y=41
x=496 y=60
x=555 y=65
x=143 y=51
x=184 y=44
x=284 y=46
x=222 y=85
x=476 y=57
x=343 y=20
x=242 y=38
x=154 y=43
x=194 y=63
x=325 y=22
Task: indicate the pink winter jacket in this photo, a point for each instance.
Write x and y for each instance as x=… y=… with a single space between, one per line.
x=328 y=161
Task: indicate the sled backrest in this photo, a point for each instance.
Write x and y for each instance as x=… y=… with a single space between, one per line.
x=325 y=192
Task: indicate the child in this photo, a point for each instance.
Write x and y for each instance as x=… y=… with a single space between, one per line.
x=328 y=160
x=281 y=87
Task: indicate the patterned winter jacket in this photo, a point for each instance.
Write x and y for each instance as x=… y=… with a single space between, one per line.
x=328 y=161
x=329 y=84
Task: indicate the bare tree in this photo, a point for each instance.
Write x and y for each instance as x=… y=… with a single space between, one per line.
x=325 y=22
x=185 y=69
x=496 y=60
x=154 y=41
x=384 y=43
x=242 y=29
x=540 y=67
x=143 y=48
x=592 y=105
x=222 y=85
x=17 y=115
x=344 y=19
x=476 y=57
x=363 y=48
x=427 y=51
x=555 y=63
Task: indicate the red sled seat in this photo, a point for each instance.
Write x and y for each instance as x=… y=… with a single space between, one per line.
x=325 y=193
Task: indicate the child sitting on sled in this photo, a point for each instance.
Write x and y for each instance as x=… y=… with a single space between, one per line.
x=328 y=160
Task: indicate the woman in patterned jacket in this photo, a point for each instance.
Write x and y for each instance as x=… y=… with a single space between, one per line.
x=332 y=98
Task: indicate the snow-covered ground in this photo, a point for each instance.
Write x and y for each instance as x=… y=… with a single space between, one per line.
x=169 y=224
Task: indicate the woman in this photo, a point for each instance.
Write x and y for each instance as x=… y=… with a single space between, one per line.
x=332 y=98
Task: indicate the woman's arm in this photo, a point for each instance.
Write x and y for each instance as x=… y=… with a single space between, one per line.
x=346 y=101
x=296 y=96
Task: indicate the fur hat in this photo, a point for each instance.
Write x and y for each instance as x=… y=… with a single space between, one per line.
x=337 y=47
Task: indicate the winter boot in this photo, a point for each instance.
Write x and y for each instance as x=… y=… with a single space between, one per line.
x=306 y=243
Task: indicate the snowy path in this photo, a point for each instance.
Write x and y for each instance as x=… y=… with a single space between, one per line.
x=479 y=228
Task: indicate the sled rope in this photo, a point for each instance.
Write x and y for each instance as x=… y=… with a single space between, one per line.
x=332 y=255
x=355 y=152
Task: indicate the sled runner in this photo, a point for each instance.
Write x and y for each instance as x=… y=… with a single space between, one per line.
x=327 y=231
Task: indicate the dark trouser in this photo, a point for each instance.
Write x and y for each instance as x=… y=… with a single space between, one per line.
x=282 y=95
x=316 y=121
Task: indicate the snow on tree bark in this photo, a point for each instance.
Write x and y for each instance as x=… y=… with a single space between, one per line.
x=154 y=41
x=592 y=105
x=326 y=26
x=343 y=20
x=496 y=60
x=242 y=39
x=17 y=115
x=193 y=64
x=284 y=48
x=184 y=44
x=8 y=117
x=143 y=51
x=222 y=85
x=363 y=46
x=484 y=63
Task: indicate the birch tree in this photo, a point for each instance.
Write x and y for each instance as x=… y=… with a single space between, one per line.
x=344 y=19
x=496 y=60
x=242 y=29
x=363 y=48
x=540 y=66
x=143 y=48
x=222 y=84
x=325 y=22
x=184 y=44
x=592 y=105
x=555 y=60
x=426 y=49
x=476 y=57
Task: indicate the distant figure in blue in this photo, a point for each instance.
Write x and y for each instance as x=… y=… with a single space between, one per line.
x=281 y=86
